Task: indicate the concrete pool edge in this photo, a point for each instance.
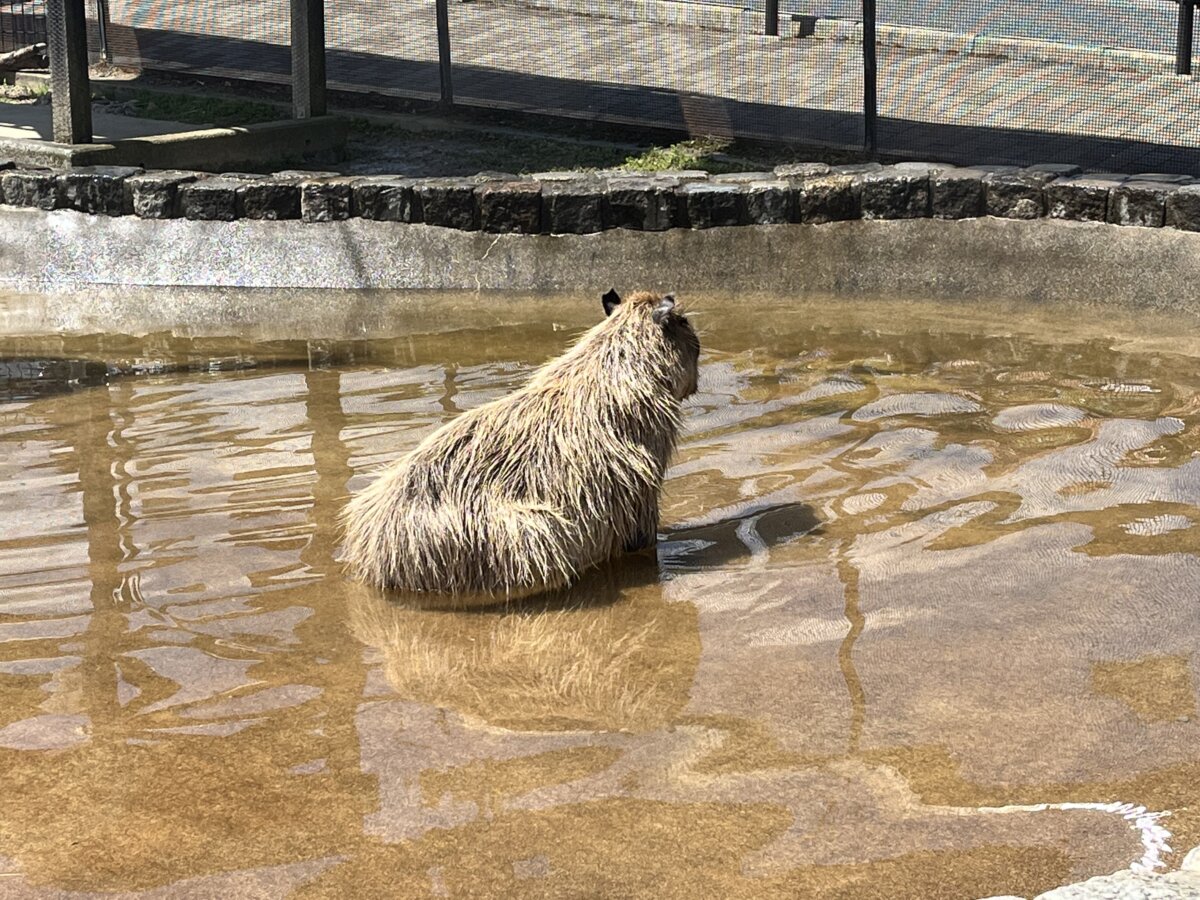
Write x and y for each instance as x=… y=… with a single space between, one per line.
x=972 y=260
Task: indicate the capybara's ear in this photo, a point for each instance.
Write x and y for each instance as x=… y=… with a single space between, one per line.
x=610 y=301
x=663 y=309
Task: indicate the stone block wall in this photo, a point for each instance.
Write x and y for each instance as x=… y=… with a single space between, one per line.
x=588 y=202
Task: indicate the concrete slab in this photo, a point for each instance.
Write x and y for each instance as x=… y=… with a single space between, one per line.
x=969 y=260
x=203 y=149
x=31 y=121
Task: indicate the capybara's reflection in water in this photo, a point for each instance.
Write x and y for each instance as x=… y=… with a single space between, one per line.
x=608 y=653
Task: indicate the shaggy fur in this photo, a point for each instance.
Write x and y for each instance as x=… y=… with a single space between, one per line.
x=525 y=493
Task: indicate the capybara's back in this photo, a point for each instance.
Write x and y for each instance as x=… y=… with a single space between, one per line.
x=524 y=493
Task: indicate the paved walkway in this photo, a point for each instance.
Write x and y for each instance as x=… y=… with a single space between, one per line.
x=958 y=107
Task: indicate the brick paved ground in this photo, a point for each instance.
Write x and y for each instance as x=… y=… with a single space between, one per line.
x=964 y=108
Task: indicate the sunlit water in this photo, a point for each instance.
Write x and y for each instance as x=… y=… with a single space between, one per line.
x=923 y=623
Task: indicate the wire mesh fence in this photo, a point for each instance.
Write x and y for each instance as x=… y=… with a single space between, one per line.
x=1090 y=81
x=1047 y=80
x=245 y=39
x=22 y=23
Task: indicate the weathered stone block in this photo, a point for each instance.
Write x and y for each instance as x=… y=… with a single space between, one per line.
x=683 y=176
x=448 y=202
x=1014 y=195
x=96 y=189
x=1054 y=170
x=1163 y=178
x=491 y=175
x=210 y=199
x=5 y=164
x=386 y=199
x=1183 y=208
x=558 y=176
x=155 y=195
x=857 y=168
x=742 y=177
x=277 y=197
x=711 y=205
x=510 y=207
x=644 y=204
x=831 y=198
x=895 y=194
x=573 y=207
x=929 y=168
x=305 y=174
x=37 y=188
x=769 y=202
x=1141 y=203
x=327 y=199
x=801 y=170
x=956 y=194
x=1078 y=199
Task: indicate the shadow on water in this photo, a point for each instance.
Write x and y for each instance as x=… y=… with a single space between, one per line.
x=755 y=531
x=27 y=379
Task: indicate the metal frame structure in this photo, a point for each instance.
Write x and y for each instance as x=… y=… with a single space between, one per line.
x=71 y=102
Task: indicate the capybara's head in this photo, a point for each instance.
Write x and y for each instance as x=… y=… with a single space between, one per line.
x=658 y=319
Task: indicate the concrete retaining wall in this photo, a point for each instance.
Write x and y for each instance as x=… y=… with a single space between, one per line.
x=980 y=259
x=1044 y=234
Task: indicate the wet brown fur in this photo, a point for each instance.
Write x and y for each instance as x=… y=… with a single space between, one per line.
x=525 y=493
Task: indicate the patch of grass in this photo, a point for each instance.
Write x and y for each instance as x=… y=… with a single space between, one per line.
x=696 y=153
x=224 y=112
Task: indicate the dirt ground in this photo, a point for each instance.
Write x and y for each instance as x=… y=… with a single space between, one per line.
x=409 y=138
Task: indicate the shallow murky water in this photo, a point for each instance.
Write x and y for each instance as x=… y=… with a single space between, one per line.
x=923 y=623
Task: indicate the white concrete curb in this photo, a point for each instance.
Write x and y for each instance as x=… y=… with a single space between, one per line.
x=750 y=22
x=931 y=39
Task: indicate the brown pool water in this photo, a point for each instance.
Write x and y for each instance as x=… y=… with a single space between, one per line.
x=923 y=622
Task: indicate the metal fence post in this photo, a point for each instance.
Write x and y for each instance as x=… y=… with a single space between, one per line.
x=443 y=35
x=102 y=31
x=870 y=96
x=771 y=26
x=1183 y=37
x=308 y=58
x=70 y=91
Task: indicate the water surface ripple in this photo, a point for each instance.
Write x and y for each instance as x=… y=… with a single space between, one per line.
x=922 y=623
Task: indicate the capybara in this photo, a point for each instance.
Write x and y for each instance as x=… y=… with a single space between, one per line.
x=523 y=494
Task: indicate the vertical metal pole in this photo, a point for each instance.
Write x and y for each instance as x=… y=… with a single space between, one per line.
x=1183 y=37
x=870 y=96
x=70 y=91
x=771 y=28
x=308 y=58
x=443 y=33
x=102 y=28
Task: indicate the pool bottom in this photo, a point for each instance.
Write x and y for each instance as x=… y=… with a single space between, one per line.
x=919 y=625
